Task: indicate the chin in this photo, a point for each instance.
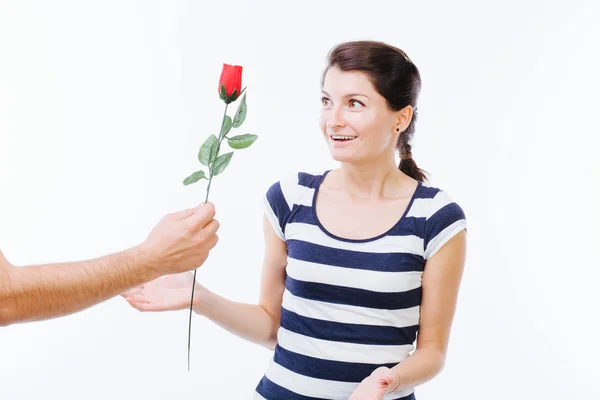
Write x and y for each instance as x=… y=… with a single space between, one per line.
x=346 y=153
x=344 y=156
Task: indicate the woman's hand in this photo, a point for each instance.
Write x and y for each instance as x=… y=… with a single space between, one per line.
x=171 y=292
x=381 y=381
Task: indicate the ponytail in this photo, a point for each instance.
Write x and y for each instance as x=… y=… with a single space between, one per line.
x=407 y=163
x=410 y=168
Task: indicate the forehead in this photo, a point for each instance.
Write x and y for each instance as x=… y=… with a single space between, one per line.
x=338 y=82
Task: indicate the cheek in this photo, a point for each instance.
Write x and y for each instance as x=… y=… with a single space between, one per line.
x=366 y=125
x=322 y=120
x=375 y=131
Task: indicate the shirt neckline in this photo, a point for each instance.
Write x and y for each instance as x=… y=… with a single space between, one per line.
x=364 y=240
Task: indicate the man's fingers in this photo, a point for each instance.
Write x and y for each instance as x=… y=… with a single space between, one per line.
x=184 y=214
x=191 y=211
x=212 y=227
x=213 y=241
x=203 y=215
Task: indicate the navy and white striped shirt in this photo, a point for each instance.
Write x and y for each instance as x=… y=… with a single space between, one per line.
x=349 y=305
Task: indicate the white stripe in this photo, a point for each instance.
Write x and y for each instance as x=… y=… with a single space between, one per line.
x=441 y=238
x=419 y=208
x=350 y=314
x=320 y=388
x=341 y=351
x=388 y=244
x=288 y=189
x=378 y=281
x=425 y=208
x=305 y=196
x=308 y=386
x=295 y=193
x=272 y=218
x=440 y=200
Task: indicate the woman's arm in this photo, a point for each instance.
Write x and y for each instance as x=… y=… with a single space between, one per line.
x=255 y=323
x=441 y=282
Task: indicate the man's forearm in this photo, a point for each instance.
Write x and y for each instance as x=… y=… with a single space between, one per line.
x=40 y=292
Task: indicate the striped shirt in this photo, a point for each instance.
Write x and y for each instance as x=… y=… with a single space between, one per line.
x=349 y=305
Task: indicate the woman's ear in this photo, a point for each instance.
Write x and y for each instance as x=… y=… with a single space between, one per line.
x=403 y=118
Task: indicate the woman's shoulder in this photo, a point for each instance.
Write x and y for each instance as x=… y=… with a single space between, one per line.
x=296 y=187
x=443 y=216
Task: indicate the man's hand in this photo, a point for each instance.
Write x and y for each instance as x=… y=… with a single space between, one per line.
x=181 y=241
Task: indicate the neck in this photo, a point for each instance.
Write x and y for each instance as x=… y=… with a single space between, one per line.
x=368 y=181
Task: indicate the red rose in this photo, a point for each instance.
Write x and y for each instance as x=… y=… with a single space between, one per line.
x=231 y=78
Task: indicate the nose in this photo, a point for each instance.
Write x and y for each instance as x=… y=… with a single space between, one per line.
x=335 y=118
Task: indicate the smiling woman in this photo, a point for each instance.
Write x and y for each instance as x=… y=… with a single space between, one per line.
x=360 y=262
x=386 y=82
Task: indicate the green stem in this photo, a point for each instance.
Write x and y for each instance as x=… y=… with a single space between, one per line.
x=205 y=200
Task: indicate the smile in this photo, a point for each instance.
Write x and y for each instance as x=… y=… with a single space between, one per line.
x=342 y=138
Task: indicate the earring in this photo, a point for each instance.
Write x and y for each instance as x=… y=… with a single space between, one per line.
x=397 y=129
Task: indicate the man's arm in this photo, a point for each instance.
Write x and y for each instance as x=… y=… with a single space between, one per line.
x=46 y=291
x=179 y=242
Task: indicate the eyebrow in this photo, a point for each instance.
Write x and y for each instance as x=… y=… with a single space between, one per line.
x=349 y=94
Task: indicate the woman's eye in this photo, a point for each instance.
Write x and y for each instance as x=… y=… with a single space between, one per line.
x=324 y=100
x=356 y=102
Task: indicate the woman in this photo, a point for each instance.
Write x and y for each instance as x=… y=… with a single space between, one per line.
x=360 y=262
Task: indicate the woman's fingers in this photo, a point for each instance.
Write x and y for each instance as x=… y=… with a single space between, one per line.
x=141 y=305
x=139 y=298
x=133 y=291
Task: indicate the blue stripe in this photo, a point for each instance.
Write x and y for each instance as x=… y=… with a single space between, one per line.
x=427 y=192
x=279 y=205
x=385 y=262
x=352 y=296
x=442 y=219
x=272 y=391
x=310 y=180
x=304 y=215
x=324 y=369
x=348 y=333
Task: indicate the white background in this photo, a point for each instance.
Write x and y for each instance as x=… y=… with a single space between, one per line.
x=103 y=106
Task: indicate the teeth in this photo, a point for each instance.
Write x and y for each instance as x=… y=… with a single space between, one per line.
x=342 y=137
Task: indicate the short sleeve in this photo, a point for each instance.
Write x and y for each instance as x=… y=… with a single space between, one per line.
x=277 y=208
x=445 y=219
